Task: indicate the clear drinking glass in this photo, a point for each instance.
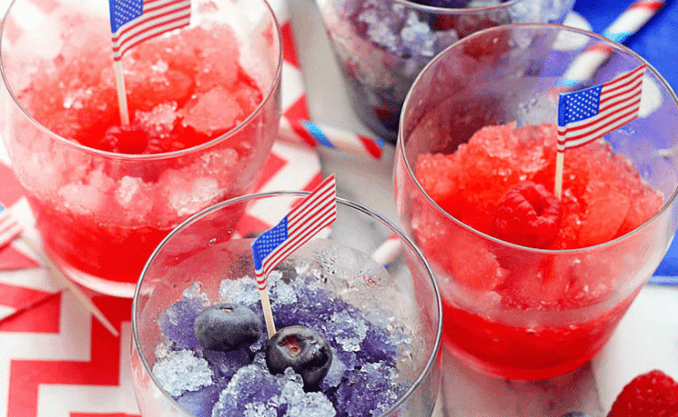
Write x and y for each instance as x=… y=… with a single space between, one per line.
x=213 y=249
x=381 y=46
x=515 y=311
x=102 y=200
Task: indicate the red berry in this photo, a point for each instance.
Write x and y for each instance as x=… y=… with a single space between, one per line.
x=468 y=24
x=385 y=114
x=128 y=139
x=652 y=394
x=527 y=215
x=443 y=22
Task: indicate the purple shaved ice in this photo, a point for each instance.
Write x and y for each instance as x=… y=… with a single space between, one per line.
x=377 y=346
x=225 y=364
x=369 y=391
x=362 y=379
x=176 y=323
x=250 y=388
x=200 y=402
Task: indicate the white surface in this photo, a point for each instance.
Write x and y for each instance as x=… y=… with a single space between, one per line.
x=646 y=339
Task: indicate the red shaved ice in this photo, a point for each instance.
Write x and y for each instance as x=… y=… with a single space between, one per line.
x=194 y=72
x=470 y=183
x=101 y=215
x=530 y=310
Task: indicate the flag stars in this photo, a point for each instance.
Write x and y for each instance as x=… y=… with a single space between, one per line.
x=581 y=119
x=582 y=104
x=269 y=240
x=123 y=11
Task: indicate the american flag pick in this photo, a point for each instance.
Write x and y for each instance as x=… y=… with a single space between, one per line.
x=316 y=211
x=591 y=113
x=9 y=227
x=133 y=21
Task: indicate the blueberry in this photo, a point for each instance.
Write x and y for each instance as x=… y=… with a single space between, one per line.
x=303 y=349
x=227 y=326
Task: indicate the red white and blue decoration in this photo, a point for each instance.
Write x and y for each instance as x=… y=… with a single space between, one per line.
x=133 y=21
x=591 y=113
x=317 y=211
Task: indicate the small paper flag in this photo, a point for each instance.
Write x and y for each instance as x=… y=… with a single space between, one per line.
x=133 y=21
x=315 y=212
x=588 y=114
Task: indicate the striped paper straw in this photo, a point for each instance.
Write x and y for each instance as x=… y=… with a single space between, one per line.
x=632 y=19
x=331 y=137
x=86 y=302
x=585 y=66
x=82 y=298
x=388 y=251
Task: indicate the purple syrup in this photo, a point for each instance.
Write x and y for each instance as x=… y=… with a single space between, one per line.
x=362 y=381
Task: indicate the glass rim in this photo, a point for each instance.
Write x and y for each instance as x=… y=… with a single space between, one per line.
x=459 y=11
x=400 y=146
x=270 y=95
x=433 y=354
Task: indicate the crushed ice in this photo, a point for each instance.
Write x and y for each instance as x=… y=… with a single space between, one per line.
x=182 y=371
x=253 y=391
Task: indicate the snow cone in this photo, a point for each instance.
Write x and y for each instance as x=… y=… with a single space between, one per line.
x=533 y=278
x=351 y=337
x=117 y=137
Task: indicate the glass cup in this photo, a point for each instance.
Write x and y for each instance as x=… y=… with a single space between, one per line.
x=213 y=249
x=381 y=46
x=207 y=95
x=519 y=310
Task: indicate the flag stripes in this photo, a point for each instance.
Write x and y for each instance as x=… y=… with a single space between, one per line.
x=157 y=17
x=315 y=212
x=594 y=112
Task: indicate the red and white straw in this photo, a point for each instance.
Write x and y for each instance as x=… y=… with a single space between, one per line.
x=632 y=19
x=13 y=230
x=585 y=66
x=331 y=137
x=388 y=251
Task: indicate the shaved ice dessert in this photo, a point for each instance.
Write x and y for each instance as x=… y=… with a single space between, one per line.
x=173 y=85
x=381 y=46
x=350 y=337
x=203 y=106
x=367 y=347
x=476 y=182
x=542 y=293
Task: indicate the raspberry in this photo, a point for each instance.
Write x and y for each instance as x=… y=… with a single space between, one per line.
x=527 y=215
x=652 y=394
x=128 y=139
x=385 y=114
x=468 y=24
x=442 y=22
